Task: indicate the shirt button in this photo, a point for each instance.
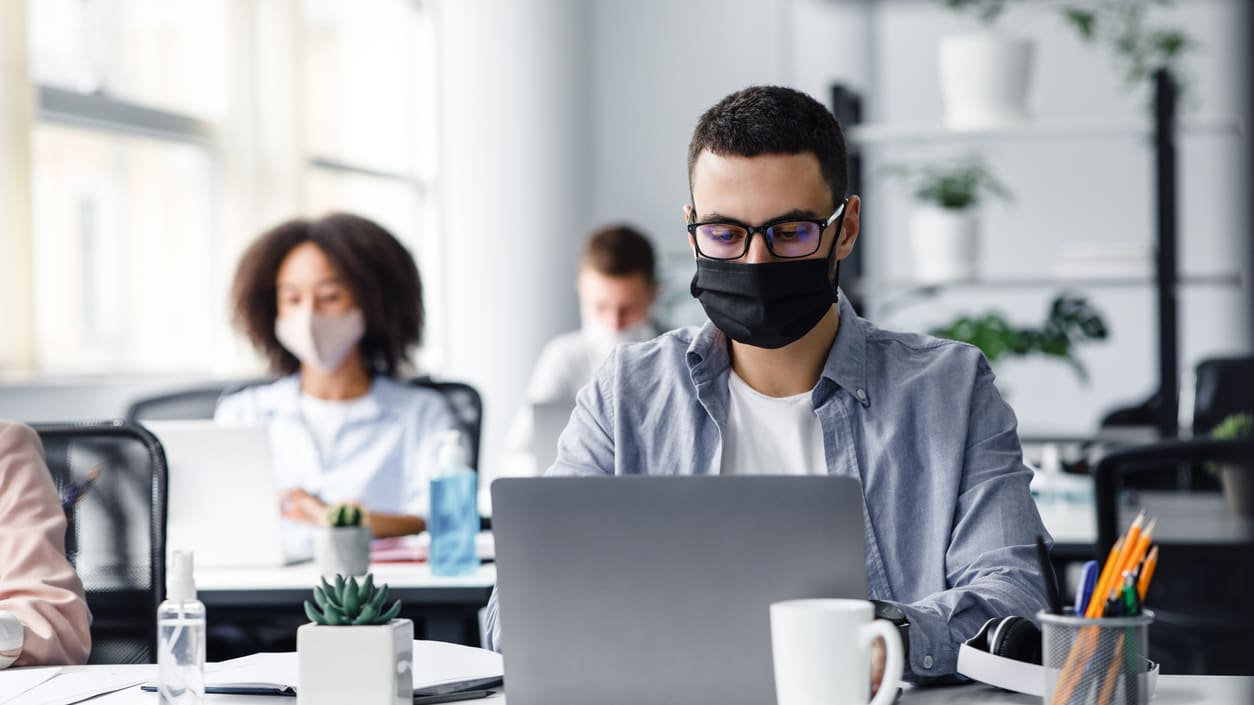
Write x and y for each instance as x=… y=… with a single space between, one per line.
x=927 y=661
x=861 y=394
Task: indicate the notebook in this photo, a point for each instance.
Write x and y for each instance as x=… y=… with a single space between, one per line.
x=439 y=669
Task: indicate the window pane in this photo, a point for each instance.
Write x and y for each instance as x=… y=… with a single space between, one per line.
x=163 y=54
x=364 y=78
x=125 y=275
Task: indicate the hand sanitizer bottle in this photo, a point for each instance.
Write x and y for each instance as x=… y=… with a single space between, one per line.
x=454 y=520
x=181 y=636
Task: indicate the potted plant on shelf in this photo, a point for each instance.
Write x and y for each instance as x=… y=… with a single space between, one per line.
x=355 y=649
x=1071 y=320
x=1238 y=482
x=343 y=545
x=945 y=224
x=985 y=74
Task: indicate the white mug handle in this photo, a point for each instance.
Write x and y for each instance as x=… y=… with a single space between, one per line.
x=894 y=663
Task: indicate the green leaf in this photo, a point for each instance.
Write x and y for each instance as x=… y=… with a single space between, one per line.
x=388 y=616
x=1084 y=21
x=352 y=600
x=334 y=617
x=367 y=588
x=367 y=615
x=313 y=614
x=339 y=588
x=380 y=596
x=329 y=592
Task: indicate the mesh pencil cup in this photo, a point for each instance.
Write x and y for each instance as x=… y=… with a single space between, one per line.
x=1102 y=661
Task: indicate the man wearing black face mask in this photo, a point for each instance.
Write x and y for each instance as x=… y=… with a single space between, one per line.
x=787 y=379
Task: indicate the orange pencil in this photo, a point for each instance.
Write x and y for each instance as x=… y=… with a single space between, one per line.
x=1130 y=541
x=1147 y=572
x=1103 y=581
x=1142 y=545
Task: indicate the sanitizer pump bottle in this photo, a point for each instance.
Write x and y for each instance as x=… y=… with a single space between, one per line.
x=181 y=636
x=454 y=520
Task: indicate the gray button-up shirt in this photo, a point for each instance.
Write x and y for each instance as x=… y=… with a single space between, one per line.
x=950 y=523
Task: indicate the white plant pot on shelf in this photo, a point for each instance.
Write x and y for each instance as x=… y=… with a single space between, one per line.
x=368 y=665
x=945 y=244
x=342 y=550
x=984 y=78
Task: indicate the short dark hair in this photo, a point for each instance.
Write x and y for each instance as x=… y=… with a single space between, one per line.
x=619 y=251
x=375 y=266
x=773 y=120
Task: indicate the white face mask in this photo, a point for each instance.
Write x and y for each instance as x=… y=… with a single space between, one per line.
x=319 y=340
x=603 y=340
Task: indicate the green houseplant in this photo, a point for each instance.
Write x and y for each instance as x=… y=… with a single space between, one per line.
x=1139 y=45
x=1071 y=320
x=343 y=545
x=945 y=225
x=1238 y=482
x=355 y=648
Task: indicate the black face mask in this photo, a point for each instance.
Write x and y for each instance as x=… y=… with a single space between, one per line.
x=766 y=305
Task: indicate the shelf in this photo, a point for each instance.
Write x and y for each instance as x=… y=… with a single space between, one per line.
x=873 y=134
x=870 y=286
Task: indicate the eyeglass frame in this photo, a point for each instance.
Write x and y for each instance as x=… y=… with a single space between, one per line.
x=823 y=225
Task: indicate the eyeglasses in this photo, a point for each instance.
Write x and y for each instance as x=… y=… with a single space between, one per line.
x=786 y=239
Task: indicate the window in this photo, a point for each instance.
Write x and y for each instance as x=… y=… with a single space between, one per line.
x=167 y=135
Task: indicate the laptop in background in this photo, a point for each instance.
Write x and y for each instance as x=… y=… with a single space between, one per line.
x=222 y=501
x=656 y=589
x=549 y=419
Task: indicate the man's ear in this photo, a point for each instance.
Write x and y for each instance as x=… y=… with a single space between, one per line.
x=689 y=216
x=849 y=227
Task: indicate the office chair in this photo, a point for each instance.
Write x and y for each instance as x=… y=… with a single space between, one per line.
x=191 y=403
x=115 y=536
x=1200 y=591
x=467 y=407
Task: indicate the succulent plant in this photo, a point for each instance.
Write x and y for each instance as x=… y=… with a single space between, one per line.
x=345 y=514
x=349 y=604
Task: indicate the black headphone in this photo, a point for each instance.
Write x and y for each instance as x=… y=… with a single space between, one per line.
x=1009 y=637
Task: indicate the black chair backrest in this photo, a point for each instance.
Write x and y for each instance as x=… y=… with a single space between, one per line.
x=1222 y=387
x=467 y=407
x=197 y=402
x=115 y=537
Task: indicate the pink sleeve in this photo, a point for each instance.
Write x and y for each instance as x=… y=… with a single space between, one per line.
x=37 y=583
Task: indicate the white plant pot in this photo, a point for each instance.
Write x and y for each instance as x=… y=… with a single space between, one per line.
x=945 y=243
x=359 y=665
x=984 y=78
x=343 y=550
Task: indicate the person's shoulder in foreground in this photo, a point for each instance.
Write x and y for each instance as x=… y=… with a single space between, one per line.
x=43 y=616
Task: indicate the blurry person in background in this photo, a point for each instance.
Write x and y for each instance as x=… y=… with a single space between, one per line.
x=335 y=305
x=43 y=616
x=617 y=285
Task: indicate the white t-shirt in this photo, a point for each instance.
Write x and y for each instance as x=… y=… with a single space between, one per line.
x=325 y=418
x=771 y=435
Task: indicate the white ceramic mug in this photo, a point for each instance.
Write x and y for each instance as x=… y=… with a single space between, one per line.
x=822 y=652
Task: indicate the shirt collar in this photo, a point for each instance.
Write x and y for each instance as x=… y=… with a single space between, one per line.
x=287 y=399
x=845 y=367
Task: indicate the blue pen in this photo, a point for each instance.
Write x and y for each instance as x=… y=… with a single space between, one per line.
x=1084 y=591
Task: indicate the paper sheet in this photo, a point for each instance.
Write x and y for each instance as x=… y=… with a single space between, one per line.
x=71 y=685
x=15 y=681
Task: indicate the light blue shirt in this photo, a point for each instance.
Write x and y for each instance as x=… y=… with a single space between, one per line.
x=950 y=524
x=383 y=455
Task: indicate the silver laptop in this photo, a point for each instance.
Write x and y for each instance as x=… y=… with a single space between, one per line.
x=548 y=420
x=222 y=504
x=656 y=589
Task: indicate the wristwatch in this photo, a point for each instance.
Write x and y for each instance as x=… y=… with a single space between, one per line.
x=892 y=613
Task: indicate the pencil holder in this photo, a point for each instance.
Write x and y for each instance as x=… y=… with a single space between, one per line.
x=1100 y=661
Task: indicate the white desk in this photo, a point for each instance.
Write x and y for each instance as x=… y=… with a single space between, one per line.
x=1172 y=690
